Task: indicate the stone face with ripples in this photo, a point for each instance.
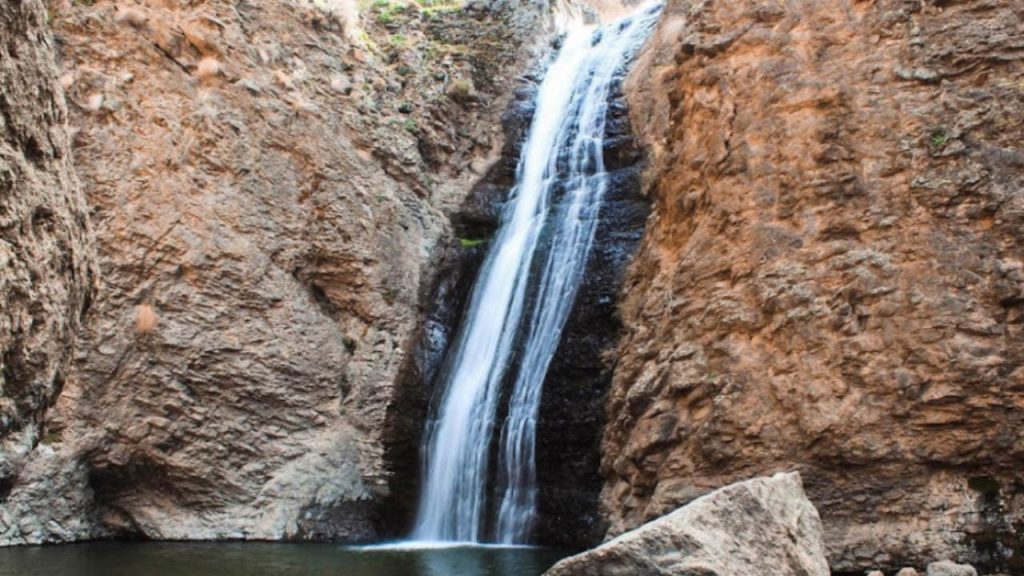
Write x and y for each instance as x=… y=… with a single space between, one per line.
x=832 y=278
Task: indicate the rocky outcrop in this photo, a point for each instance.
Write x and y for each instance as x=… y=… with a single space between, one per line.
x=761 y=526
x=47 y=259
x=832 y=278
x=269 y=182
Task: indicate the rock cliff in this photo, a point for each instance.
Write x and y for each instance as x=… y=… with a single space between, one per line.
x=268 y=182
x=47 y=257
x=832 y=277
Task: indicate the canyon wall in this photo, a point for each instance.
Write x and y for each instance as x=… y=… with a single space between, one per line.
x=832 y=278
x=47 y=258
x=269 y=183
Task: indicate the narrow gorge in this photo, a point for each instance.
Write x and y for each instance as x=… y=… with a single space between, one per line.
x=465 y=288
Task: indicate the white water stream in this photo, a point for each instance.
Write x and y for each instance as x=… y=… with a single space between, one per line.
x=524 y=294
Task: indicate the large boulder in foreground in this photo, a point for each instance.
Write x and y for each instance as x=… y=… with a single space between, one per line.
x=761 y=526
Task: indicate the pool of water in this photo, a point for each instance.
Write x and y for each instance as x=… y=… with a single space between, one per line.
x=270 y=559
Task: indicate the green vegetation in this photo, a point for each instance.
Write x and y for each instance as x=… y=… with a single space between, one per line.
x=436 y=8
x=52 y=437
x=471 y=242
x=393 y=12
x=350 y=343
x=939 y=137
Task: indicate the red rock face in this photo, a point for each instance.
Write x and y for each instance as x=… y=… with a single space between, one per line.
x=832 y=280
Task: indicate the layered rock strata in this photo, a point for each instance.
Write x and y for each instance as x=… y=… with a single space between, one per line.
x=269 y=183
x=47 y=257
x=832 y=280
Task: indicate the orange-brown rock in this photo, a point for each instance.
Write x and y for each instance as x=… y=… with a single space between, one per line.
x=268 y=182
x=832 y=279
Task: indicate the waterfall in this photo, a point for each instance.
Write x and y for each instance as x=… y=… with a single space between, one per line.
x=524 y=294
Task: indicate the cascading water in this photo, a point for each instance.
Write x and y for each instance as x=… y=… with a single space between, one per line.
x=551 y=218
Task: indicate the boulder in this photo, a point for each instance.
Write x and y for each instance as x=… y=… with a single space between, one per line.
x=760 y=526
x=950 y=568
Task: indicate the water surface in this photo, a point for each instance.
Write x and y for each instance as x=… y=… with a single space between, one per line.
x=269 y=559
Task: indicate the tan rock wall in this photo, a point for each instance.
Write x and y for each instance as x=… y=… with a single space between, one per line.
x=47 y=259
x=832 y=280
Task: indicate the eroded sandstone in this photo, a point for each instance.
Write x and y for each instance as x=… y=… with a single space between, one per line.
x=832 y=280
x=269 y=183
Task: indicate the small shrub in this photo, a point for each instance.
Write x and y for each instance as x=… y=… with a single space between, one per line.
x=461 y=89
x=52 y=437
x=471 y=242
x=939 y=137
x=350 y=343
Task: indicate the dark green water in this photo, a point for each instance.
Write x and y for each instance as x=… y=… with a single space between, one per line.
x=268 y=559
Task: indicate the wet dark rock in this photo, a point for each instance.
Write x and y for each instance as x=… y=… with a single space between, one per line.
x=571 y=414
x=474 y=223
